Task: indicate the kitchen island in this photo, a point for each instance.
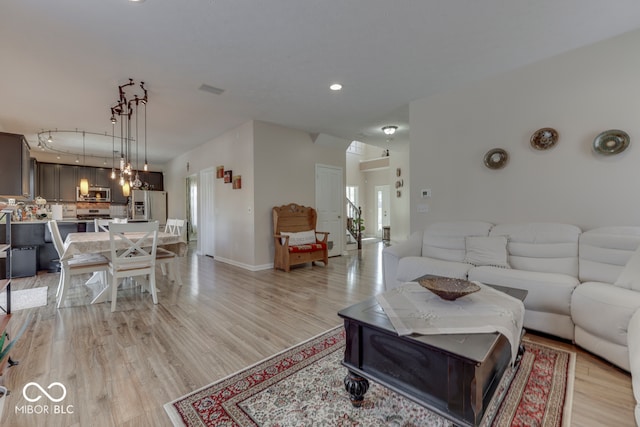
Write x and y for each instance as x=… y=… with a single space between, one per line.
x=33 y=245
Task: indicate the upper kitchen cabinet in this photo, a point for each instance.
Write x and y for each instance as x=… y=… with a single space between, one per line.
x=102 y=178
x=15 y=165
x=48 y=181
x=154 y=179
x=68 y=182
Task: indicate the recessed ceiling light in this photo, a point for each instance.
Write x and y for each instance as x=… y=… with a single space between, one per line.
x=136 y=1
x=336 y=86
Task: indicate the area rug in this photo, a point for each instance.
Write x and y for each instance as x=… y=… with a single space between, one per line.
x=22 y=299
x=303 y=386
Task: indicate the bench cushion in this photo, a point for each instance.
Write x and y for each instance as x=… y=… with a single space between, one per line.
x=307 y=248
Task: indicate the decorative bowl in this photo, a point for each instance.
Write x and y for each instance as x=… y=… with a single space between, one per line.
x=449 y=288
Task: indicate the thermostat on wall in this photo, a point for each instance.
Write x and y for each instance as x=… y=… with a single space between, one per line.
x=426 y=193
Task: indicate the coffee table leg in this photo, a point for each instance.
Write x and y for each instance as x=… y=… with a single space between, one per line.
x=356 y=386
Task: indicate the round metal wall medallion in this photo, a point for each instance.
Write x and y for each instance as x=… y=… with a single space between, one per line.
x=544 y=138
x=611 y=142
x=496 y=158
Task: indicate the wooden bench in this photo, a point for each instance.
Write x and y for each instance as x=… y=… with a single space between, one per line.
x=295 y=237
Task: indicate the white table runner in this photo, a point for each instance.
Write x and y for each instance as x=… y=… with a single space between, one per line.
x=413 y=309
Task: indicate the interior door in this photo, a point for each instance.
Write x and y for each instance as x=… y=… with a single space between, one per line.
x=206 y=236
x=330 y=196
x=383 y=212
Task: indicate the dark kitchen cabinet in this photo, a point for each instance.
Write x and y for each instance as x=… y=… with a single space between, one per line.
x=102 y=178
x=154 y=179
x=48 y=181
x=15 y=165
x=116 y=193
x=68 y=183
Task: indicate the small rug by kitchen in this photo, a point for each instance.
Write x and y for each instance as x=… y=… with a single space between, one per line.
x=303 y=386
x=22 y=299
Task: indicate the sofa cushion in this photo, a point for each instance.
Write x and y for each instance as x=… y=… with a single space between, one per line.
x=412 y=267
x=300 y=238
x=446 y=240
x=548 y=292
x=630 y=276
x=482 y=250
x=604 y=252
x=547 y=247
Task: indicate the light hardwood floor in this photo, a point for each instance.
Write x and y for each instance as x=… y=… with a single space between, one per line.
x=120 y=368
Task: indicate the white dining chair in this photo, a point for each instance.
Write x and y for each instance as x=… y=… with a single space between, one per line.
x=101 y=225
x=76 y=265
x=133 y=254
x=166 y=259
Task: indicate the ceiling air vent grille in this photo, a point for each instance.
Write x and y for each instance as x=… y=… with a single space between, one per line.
x=211 y=89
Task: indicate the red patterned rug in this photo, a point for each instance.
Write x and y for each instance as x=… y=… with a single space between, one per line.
x=303 y=386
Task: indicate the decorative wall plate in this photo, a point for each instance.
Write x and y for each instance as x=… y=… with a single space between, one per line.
x=496 y=158
x=544 y=138
x=610 y=142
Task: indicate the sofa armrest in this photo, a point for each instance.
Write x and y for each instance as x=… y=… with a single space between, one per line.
x=391 y=256
x=633 y=344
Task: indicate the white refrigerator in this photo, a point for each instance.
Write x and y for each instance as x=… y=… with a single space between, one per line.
x=146 y=205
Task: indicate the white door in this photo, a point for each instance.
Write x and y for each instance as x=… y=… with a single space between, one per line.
x=206 y=233
x=383 y=217
x=330 y=205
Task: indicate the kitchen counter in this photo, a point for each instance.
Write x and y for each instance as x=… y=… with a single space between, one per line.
x=44 y=221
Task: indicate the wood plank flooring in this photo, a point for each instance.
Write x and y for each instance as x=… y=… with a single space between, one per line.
x=120 y=368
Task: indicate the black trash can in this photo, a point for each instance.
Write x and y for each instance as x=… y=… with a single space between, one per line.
x=23 y=261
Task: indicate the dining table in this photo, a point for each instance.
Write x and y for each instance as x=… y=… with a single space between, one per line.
x=88 y=243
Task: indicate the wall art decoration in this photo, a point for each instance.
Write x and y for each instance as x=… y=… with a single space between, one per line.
x=544 y=138
x=237 y=182
x=611 y=142
x=227 y=176
x=220 y=172
x=496 y=158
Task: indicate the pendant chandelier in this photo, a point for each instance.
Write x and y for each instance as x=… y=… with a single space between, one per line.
x=126 y=108
x=84 y=182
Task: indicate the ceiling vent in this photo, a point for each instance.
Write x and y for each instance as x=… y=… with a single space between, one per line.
x=211 y=89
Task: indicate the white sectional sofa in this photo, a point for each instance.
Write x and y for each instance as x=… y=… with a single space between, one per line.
x=583 y=286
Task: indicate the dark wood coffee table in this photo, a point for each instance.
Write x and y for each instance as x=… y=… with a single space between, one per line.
x=455 y=375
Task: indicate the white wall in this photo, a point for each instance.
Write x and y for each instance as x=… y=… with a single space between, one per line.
x=277 y=165
x=285 y=173
x=580 y=94
x=234 y=222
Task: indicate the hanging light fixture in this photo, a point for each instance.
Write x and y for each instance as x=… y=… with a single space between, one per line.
x=389 y=130
x=113 y=147
x=126 y=189
x=84 y=182
x=146 y=164
x=124 y=109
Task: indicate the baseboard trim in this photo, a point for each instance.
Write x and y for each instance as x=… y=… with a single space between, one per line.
x=243 y=265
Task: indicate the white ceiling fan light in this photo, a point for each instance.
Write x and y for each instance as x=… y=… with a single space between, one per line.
x=389 y=130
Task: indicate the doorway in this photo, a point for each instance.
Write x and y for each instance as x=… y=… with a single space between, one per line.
x=206 y=237
x=330 y=196
x=382 y=212
x=192 y=208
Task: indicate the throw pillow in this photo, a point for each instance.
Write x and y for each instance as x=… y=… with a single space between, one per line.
x=480 y=250
x=630 y=276
x=300 y=238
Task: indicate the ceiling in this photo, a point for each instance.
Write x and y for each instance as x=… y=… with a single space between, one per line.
x=62 y=61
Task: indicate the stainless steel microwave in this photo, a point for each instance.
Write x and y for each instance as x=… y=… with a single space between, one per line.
x=96 y=194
